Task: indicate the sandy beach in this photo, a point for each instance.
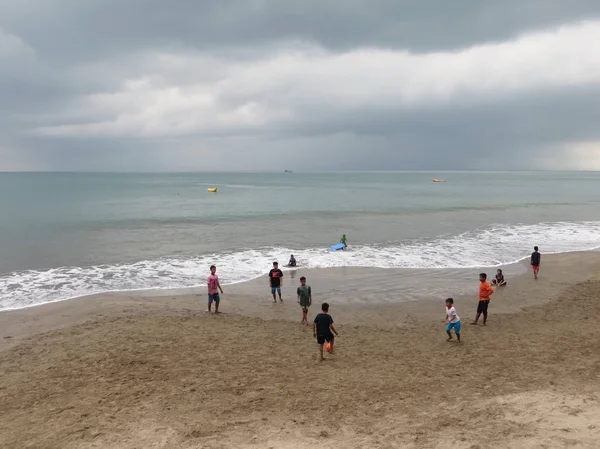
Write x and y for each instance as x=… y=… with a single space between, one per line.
x=156 y=371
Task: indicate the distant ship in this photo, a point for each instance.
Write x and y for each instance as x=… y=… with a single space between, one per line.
x=439 y=180
x=288 y=171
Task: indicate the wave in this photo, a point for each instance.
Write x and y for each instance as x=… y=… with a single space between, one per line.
x=488 y=247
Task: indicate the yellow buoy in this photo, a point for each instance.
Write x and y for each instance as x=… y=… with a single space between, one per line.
x=212 y=189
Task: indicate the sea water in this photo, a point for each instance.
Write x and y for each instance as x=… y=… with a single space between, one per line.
x=64 y=235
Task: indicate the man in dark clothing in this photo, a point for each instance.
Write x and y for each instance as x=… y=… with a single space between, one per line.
x=323 y=329
x=275 y=276
x=536 y=258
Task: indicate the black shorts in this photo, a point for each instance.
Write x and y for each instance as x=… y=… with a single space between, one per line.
x=483 y=306
x=321 y=339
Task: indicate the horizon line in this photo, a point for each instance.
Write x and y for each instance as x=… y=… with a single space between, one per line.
x=466 y=170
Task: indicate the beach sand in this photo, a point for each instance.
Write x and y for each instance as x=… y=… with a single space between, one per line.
x=156 y=371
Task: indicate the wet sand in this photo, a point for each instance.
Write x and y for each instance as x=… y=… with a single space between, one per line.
x=156 y=371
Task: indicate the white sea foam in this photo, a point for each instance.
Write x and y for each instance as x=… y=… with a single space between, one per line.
x=488 y=247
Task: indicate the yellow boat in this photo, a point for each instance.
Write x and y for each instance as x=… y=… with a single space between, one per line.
x=439 y=180
x=212 y=189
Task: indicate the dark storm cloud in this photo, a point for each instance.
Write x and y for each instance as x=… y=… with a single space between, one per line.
x=75 y=29
x=149 y=84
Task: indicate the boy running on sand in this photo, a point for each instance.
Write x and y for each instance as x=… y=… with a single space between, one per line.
x=452 y=320
x=304 y=299
x=344 y=241
x=323 y=328
x=485 y=291
x=536 y=258
x=213 y=289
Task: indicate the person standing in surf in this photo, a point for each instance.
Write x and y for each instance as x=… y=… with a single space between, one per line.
x=344 y=241
x=213 y=289
x=275 y=277
x=535 y=261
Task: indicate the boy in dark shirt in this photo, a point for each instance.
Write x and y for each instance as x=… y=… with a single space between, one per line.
x=323 y=328
x=275 y=276
x=536 y=258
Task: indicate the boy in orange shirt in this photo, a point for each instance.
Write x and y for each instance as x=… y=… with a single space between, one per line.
x=485 y=291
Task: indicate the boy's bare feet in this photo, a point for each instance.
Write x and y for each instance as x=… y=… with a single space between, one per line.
x=449 y=339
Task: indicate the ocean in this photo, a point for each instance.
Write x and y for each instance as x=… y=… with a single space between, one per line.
x=65 y=235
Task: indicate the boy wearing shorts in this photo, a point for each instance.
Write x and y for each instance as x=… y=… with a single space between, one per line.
x=275 y=276
x=452 y=320
x=535 y=261
x=213 y=289
x=323 y=329
x=485 y=291
x=304 y=299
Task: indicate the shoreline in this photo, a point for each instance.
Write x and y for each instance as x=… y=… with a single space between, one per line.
x=133 y=371
x=170 y=291
x=365 y=296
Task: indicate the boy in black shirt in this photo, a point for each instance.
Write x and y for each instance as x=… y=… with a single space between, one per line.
x=275 y=276
x=323 y=328
x=536 y=258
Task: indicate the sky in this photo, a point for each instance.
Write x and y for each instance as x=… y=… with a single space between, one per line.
x=253 y=85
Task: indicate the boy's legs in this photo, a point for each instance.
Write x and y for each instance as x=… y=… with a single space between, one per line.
x=304 y=315
x=217 y=301
x=273 y=289
x=321 y=342
x=210 y=300
x=279 y=293
x=449 y=327
x=331 y=340
x=485 y=310
x=481 y=308
x=457 y=331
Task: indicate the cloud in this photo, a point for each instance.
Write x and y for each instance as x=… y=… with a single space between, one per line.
x=281 y=90
x=325 y=85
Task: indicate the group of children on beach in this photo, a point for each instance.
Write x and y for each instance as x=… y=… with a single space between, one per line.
x=485 y=292
x=323 y=329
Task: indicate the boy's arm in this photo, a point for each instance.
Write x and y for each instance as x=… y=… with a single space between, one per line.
x=219 y=285
x=314 y=329
x=333 y=329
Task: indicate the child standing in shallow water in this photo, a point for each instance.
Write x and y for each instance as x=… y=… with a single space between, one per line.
x=304 y=299
x=452 y=320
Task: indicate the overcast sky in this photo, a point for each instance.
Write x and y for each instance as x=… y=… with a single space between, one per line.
x=307 y=85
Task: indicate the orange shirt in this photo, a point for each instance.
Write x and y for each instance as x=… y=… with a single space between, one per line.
x=485 y=290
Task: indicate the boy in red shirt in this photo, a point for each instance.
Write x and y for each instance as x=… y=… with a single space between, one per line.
x=485 y=291
x=213 y=289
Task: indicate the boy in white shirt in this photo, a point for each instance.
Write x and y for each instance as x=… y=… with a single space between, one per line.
x=452 y=320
